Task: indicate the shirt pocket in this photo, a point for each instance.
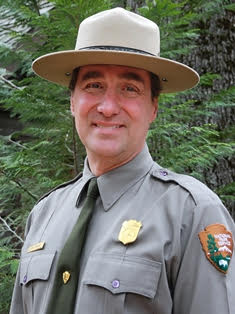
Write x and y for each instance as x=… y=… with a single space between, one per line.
x=109 y=278
x=35 y=271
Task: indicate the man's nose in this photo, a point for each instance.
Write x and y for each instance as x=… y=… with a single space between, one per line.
x=109 y=104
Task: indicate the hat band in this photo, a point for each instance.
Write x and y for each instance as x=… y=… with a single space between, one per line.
x=117 y=48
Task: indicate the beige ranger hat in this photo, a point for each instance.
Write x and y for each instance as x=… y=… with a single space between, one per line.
x=117 y=37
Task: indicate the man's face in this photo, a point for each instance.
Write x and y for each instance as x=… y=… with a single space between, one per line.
x=113 y=108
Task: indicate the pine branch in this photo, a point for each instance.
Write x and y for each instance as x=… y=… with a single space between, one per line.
x=36 y=6
x=24 y=189
x=66 y=145
x=21 y=186
x=10 y=83
x=17 y=144
x=11 y=230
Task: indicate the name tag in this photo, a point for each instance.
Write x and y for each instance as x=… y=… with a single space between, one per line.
x=36 y=247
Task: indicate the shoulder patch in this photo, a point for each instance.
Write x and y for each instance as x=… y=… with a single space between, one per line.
x=60 y=186
x=217 y=244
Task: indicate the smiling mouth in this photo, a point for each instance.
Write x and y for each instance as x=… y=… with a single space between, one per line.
x=102 y=126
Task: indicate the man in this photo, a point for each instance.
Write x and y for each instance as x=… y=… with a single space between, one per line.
x=157 y=242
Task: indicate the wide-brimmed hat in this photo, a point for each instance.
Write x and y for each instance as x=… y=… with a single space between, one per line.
x=117 y=37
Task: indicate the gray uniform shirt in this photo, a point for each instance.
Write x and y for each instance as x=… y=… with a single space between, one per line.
x=163 y=271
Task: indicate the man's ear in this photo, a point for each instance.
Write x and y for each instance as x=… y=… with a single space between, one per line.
x=72 y=104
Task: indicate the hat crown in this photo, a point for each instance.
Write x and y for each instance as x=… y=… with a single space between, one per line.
x=122 y=38
x=120 y=28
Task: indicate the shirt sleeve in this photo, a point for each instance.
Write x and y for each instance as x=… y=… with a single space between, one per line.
x=17 y=305
x=17 y=301
x=201 y=287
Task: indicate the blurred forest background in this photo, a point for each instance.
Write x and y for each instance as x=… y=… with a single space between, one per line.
x=39 y=148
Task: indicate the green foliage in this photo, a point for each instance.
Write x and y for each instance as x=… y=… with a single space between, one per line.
x=226 y=192
x=207 y=80
x=177 y=143
x=230 y=7
x=224 y=99
x=184 y=136
x=176 y=36
x=8 y=269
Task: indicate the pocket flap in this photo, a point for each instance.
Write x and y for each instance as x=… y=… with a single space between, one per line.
x=123 y=274
x=35 y=267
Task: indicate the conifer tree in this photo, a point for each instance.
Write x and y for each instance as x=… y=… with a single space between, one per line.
x=46 y=152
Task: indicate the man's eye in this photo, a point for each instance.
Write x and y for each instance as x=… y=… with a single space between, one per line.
x=130 y=90
x=93 y=86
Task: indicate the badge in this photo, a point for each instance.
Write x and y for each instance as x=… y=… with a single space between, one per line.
x=217 y=243
x=129 y=231
x=66 y=276
x=36 y=247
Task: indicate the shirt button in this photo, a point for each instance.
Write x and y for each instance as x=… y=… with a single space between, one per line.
x=163 y=173
x=25 y=279
x=115 y=283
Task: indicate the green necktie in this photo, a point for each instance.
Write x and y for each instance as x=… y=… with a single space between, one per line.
x=63 y=295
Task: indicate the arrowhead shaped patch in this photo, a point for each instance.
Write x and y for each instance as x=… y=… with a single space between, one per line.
x=217 y=243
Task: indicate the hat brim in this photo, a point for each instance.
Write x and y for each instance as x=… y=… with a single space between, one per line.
x=57 y=67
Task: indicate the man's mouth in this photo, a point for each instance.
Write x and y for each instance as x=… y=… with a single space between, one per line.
x=107 y=126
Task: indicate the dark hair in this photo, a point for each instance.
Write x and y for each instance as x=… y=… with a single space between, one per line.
x=154 y=79
x=73 y=80
x=155 y=85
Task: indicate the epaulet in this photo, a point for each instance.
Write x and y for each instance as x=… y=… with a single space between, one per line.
x=60 y=186
x=196 y=188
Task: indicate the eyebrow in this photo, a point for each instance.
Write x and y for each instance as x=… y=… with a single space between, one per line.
x=91 y=74
x=131 y=76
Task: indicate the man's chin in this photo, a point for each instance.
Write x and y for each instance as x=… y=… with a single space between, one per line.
x=107 y=150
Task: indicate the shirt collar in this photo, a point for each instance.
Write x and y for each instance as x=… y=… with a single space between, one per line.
x=113 y=184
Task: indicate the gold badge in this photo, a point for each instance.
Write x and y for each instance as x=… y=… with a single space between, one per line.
x=66 y=276
x=36 y=247
x=129 y=231
x=217 y=243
